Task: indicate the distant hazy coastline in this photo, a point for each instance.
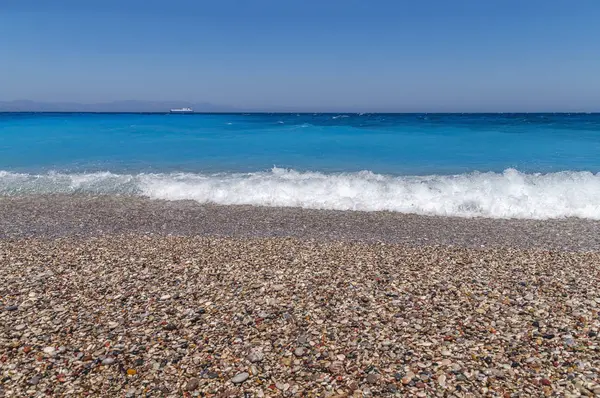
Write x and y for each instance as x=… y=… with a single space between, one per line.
x=113 y=106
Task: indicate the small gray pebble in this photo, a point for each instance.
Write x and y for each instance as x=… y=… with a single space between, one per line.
x=255 y=356
x=303 y=339
x=240 y=378
x=108 y=361
x=35 y=380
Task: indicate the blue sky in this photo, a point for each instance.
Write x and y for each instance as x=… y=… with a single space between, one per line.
x=376 y=55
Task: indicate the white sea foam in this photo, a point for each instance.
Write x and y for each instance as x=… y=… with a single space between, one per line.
x=510 y=194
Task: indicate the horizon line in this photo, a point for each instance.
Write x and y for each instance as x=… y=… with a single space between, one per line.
x=310 y=112
x=207 y=107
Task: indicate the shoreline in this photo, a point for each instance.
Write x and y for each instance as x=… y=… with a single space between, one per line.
x=52 y=216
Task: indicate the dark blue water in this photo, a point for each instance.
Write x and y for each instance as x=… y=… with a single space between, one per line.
x=495 y=165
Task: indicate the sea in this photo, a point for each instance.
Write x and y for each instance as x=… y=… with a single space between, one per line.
x=528 y=166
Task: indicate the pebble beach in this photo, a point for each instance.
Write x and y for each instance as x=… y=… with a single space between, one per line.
x=127 y=297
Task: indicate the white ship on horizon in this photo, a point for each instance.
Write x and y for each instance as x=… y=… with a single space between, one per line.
x=182 y=110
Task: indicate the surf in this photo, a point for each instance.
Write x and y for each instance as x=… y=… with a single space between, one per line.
x=510 y=194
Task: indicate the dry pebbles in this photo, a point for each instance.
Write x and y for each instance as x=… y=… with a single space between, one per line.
x=139 y=316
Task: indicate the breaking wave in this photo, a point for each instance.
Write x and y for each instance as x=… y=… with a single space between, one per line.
x=510 y=194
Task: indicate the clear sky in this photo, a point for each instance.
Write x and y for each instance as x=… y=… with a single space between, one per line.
x=369 y=55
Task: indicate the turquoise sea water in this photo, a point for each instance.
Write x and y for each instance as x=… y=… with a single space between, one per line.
x=496 y=165
x=394 y=144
